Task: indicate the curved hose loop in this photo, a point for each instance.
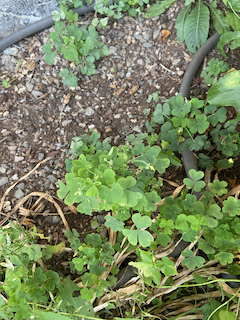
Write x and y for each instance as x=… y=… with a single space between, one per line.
x=189 y=161
x=38 y=26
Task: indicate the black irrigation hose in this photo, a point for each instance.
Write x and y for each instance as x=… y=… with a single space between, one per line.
x=187 y=155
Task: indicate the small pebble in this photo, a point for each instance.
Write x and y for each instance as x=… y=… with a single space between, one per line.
x=89 y=112
x=21 y=185
x=18 y=159
x=36 y=93
x=3 y=170
x=52 y=178
x=15 y=177
x=18 y=194
x=11 y=51
x=66 y=122
x=3 y=181
x=40 y=156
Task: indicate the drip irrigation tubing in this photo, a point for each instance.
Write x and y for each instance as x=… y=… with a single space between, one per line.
x=189 y=161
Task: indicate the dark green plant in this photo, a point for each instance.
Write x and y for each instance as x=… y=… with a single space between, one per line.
x=213 y=69
x=199 y=126
x=193 y=22
x=79 y=45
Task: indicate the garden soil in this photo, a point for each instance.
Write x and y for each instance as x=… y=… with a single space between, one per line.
x=39 y=115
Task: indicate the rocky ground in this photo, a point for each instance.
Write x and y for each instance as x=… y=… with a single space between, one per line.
x=39 y=115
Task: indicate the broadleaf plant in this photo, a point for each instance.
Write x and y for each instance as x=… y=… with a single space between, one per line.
x=193 y=22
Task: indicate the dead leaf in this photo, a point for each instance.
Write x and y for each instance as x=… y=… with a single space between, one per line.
x=67 y=98
x=119 y=91
x=133 y=89
x=112 y=85
x=32 y=65
x=165 y=34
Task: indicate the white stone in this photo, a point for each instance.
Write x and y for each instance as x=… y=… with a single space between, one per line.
x=3 y=181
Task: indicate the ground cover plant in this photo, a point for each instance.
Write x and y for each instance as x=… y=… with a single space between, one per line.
x=144 y=230
x=82 y=48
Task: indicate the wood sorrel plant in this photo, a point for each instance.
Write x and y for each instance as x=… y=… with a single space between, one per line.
x=80 y=45
x=124 y=182
x=202 y=125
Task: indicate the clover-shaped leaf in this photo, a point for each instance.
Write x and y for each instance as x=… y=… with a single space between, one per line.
x=162 y=164
x=132 y=236
x=141 y=222
x=144 y=237
x=191 y=261
x=218 y=187
x=49 y=55
x=168 y=267
x=224 y=257
x=194 y=181
x=231 y=206
x=113 y=223
x=181 y=223
x=200 y=125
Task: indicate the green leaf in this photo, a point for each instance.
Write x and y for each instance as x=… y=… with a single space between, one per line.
x=49 y=55
x=224 y=257
x=233 y=20
x=227 y=315
x=92 y=191
x=146 y=256
x=218 y=187
x=113 y=195
x=108 y=177
x=226 y=92
x=132 y=236
x=181 y=18
x=113 y=223
x=205 y=246
x=193 y=182
x=158 y=8
x=145 y=238
x=77 y=302
x=218 y=19
x=51 y=316
x=163 y=239
x=227 y=37
x=52 y=280
x=161 y=164
x=231 y=206
x=87 y=294
x=141 y=222
x=63 y=190
x=196 y=27
x=191 y=261
x=168 y=267
x=196 y=175
x=68 y=79
x=70 y=53
x=233 y=4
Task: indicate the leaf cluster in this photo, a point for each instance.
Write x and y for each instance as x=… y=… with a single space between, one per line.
x=112 y=178
x=27 y=290
x=199 y=126
x=79 y=45
x=193 y=22
x=213 y=69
